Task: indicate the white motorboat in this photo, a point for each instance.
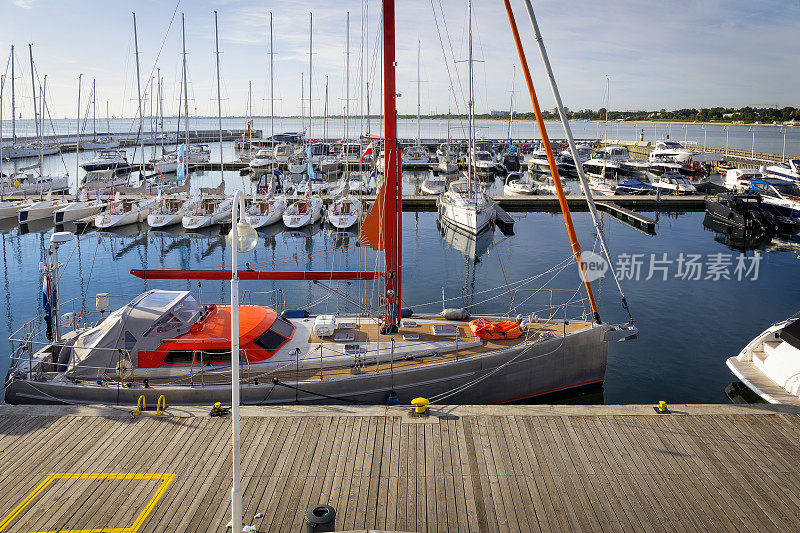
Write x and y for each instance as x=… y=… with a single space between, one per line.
x=483 y=162
x=345 y=211
x=467 y=206
x=78 y=209
x=350 y=153
x=302 y=211
x=107 y=160
x=42 y=209
x=434 y=185
x=738 y=179
x=361 y=182
x=263 y=161
x=208 y=212
x=674 y=184
x=282 y=152
x=546 y=185
x=196 y=153
x=297 y=164
x=169 y=211
x=330 y=163
x=782 y=195
x=672 y=150
x=319 y=152
x=122 y=212
x=99 y=180
x=788 y=170
x=770 y=364
x=415 y=155
x=601 y=167
x=517 y=184
x=447 y=165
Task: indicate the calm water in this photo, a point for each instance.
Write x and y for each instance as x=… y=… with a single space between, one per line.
x=688 y=328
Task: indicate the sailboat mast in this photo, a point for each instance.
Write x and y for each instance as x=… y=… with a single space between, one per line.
x=271 y=85
x=185 y=86
x=108 y=119
x=41 y=131
x=161 y=108
x=78 y=135
x=303 y=102
x=139 y=94
x=511 y=106
x=249 y=116
x=219 y=96
x=33 y=89
x=347 y=85
x=470 y=105
x=325 y=121
x=393 y=185
x=310 y=63
x=13 y=103
x=94 y=111
x=419 y=82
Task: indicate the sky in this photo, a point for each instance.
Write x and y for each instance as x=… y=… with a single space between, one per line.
x=669 y=54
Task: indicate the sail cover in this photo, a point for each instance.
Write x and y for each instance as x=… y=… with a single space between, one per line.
x=372 y=229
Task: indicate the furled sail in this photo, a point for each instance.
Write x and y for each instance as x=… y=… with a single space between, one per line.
x=372 y=228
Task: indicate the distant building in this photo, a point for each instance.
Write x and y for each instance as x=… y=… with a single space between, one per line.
x=555 y=110
x=727 y=115
x=499 y=113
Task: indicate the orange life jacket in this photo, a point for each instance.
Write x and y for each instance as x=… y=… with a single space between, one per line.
x=486 y=329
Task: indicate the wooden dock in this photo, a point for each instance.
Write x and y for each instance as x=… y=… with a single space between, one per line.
x=466 y=468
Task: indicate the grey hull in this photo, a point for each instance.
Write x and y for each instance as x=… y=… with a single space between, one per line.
x=557 y=364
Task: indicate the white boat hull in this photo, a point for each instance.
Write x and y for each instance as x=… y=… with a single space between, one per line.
x=39 y=210
x=76 y=211
x=470 y=219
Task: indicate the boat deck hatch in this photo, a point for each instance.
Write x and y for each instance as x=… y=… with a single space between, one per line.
x=442 y=330
x=409 y=324
x=344 y=336
x=346 y=325
x=410 y=336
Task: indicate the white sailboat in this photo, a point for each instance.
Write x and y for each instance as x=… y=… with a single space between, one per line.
x=517 y=184
x=417 y=154
x=104 y=142
x=345 y=210
x=124 y=211
x=465 y=204
x=169 y=210
x=267 y=210
x=303 y=210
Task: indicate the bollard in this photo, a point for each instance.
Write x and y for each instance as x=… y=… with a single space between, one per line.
x=420 y=407
x=161 y=405
x=320 y=518
x=141 y=405
x=661 y=408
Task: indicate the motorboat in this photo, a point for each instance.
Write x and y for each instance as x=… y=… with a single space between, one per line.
x=741 y=211
x=782 y=195
x=546 y=185
x=345 y=211
x=738 y=179
x=788 y=170
x=195 y=154
x=770 y=364
x=42 y=209
x=101 y=180
x=361 y=182
x=433 y=185
x=297 y=164
x=208 y=212
x=584 y=152
x=303 y=211
x=483 y=162
x=78 y=209
x=330 y=163
x=122 y=212
x=107 y=160
x=319 y=151
x=601 y=167
x=447 y=166
x=169 y=211
x=672 y=150
x=517 y=184
x=674 y=184
x=282 y=152
x=634 y=186
x=415 y=155
x=661 y=166
x=263 y=161
x=466 y=206
x=635 y=168
x=350 y=153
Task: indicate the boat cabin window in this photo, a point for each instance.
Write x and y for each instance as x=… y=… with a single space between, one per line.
x=276 y=336
x=179 y=356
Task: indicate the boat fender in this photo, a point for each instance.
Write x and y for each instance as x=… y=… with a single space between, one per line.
x=455 y=314
x=406 y=312
x=294 y=313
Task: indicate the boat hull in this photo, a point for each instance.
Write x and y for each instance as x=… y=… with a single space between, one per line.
x=513 y=374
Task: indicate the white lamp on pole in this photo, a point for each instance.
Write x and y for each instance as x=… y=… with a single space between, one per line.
x=753 y=147
x=783 y=154
x=242 y=238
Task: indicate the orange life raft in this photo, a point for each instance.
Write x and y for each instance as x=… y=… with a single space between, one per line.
x=486 y=329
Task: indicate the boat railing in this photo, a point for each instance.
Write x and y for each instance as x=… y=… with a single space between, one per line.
x=528 y=305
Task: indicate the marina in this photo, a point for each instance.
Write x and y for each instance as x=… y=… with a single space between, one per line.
x=239 y=300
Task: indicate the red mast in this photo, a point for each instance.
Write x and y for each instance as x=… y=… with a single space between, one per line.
x=392 y=231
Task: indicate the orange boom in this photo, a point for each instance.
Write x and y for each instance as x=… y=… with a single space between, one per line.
x=486 y=329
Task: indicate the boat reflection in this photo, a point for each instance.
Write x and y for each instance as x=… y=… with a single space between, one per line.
x=470 y=246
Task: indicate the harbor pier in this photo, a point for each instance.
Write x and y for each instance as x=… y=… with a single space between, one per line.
x=464 y=468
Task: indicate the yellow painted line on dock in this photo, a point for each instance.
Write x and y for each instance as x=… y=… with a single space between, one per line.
x=166 y=479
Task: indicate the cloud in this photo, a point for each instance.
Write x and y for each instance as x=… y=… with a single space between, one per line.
x=24 y=4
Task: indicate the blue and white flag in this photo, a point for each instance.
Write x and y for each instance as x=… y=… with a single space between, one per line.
x=310 y=164
x=181 y=162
